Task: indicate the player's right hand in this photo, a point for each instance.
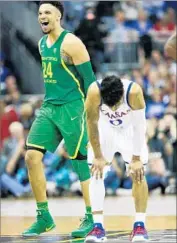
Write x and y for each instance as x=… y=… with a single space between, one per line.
x=98 y=167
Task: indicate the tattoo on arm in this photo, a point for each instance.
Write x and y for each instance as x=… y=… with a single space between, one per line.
x=66 y=58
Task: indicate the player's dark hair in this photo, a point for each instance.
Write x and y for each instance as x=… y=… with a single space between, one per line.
x=111 y=90
x=56 y=4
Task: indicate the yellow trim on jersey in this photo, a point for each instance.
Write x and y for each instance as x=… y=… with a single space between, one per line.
x=35 y=146
x=81 y=136
x=72 y=75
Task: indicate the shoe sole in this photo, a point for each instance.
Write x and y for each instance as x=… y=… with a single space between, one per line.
x=75 y=235
x=36 y=235
x=139 y=239
x=104 y=239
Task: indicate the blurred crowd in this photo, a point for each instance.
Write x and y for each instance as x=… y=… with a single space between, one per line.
x=150 y=23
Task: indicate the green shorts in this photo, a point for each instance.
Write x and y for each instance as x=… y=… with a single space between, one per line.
x=57 y=122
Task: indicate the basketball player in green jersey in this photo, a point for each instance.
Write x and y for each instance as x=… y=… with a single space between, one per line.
x=67 y=74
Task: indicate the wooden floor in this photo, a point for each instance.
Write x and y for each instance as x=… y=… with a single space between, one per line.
x=18 y=215
x=15 y=225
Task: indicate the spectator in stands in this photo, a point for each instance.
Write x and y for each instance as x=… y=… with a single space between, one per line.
x=154 y=8
x=121 y=33
x=156 y=58
x=91 y=38
x=163 y=29
x=4 y=72
x=130 y=7
x=167 y=133
x=13 y=148
x=152 y=82
x=12 y=159
x=13 y=94
x=11 y=84
x=156 y=142
x=156 y=174
x=8 y=115
x=143 y=26
x=119 y=37
x=105 y=8
x=138 y=78
x=26 y=116
x=155 y=106
x=171 y=109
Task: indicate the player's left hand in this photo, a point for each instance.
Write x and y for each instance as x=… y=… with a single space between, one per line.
x=136 y=171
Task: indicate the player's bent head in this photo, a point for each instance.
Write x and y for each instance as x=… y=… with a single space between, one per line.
x=111 y=90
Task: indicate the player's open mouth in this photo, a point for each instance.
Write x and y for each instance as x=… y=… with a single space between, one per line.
x=44 y=23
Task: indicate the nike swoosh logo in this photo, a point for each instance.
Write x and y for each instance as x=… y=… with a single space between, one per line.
x=73 y=118
x=48 y=229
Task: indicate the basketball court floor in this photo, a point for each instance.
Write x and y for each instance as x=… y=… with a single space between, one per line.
x=17 y=215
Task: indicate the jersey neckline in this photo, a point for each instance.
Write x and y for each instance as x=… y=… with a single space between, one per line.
x=57 y=40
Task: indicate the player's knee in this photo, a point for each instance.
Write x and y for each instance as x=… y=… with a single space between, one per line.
x=32 y=157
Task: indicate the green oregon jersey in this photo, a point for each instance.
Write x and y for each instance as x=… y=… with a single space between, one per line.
x=62 y=82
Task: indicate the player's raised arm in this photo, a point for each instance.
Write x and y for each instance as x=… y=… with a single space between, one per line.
x=80 y=57
x=170 y=47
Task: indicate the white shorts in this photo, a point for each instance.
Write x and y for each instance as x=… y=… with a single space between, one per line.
x=114 y=140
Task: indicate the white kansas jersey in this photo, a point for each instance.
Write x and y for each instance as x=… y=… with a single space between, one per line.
x=122 y=117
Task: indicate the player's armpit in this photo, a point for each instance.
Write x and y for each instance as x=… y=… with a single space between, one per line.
x=92 y=116
x=136 y=97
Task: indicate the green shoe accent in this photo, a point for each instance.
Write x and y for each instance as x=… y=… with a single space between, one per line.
x=85 y=227
x=44 y=223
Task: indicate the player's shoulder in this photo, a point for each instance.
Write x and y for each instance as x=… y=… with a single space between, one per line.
x=72 y=40
x=135 y=89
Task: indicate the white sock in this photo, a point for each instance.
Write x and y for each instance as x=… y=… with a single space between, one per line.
x=98 y=218
x=97 y=195
x=140 y=217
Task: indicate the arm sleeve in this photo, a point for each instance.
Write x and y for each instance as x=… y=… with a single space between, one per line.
x=139 y=131
x=86 y=72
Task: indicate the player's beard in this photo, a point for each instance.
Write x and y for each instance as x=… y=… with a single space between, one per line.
x=46 y=32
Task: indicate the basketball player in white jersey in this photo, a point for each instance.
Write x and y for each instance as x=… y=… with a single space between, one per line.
x=115 y=110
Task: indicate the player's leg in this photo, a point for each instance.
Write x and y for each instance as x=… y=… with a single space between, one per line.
x=139 y=191
x=97 y=188
x=73 y=129
x=43 y=136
